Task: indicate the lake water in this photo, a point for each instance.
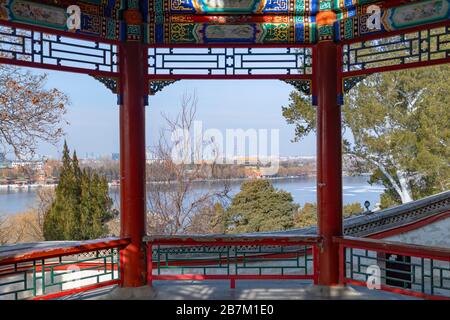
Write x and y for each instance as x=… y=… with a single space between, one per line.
x=356 y=189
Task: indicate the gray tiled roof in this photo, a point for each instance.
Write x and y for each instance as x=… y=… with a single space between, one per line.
x=365 y=224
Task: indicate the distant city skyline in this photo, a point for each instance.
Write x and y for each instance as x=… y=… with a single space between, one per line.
x=116 y=156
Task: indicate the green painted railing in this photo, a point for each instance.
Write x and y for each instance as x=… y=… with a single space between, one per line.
x=414 y=270
x=59 y=269
x=231 y=258
x=54 y=270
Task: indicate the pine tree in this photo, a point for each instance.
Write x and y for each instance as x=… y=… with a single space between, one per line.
x=95 y=205
x=399 y=127
x=82 y=205
x=86 y=204
x=307 y=216
x=55 y=227
x=260 y=207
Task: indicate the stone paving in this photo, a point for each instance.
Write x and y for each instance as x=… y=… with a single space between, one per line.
x=245 y=290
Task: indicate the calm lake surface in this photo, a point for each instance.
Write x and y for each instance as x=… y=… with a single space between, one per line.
x=356 y=189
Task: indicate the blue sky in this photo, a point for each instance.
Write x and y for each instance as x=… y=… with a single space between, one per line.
x=222 y=104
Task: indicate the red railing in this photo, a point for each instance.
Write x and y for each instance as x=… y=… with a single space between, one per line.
x=408 y=269
x=53 y=270
x=232 y=258
x=42 y=271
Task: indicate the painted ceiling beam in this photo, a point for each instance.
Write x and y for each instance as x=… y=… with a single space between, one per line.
x=168 y=22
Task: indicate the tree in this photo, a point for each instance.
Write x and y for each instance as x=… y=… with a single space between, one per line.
x=28 y=112
x=58 y=221
x=208 y=220
x=82 y=205
x=34 y=221
x=4 y=230
x=399 y=126
x=22 y=227
x=95 y=205
x=260 y=207
x=27 y=226
x=12 y=229
x=307 y=216
x=175 y=205
x=352 y=209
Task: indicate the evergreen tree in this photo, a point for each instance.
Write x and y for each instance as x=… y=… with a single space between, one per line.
x=82 y=205
x=260 y=207
x=399 y=126
x=86 y=204
x=95 y=206
x=307 y=216
x=58 y=219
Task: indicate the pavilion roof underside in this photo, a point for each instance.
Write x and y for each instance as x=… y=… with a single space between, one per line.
x=113 y=8
x=169 y=22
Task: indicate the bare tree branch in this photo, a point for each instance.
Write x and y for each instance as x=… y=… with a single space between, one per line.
x=29 y=112
x=173 y=199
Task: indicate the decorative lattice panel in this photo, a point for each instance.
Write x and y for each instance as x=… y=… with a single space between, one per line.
x=276 y=260
x=44 y=50
x=397 y=52
x=41 y=277
x=185 y=63
x=407 y=272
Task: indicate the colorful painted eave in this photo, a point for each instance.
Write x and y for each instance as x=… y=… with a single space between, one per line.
x=99 y=18
x=178 y=22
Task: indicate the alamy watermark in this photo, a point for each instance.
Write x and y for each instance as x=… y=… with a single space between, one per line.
x=374 y=277
x=373 y=21
x=74 y=18
x=253 y=147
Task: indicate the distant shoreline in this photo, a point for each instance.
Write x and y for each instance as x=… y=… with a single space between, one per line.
x=112 y=184
x=303 y=190
x=17 y=187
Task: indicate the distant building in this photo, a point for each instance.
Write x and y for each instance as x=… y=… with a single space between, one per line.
x=34 y=165
x=115 y=156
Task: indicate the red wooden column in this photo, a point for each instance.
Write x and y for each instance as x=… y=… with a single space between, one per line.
x=132 y=162
x=329 y=162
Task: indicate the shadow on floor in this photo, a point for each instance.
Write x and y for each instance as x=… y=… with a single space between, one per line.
x=245 y=290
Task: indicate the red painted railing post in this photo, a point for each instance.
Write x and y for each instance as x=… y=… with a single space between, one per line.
x=315 y=250
x=329 y=161
x=132 y=162
x=342 y=266
x=232 y=283
x=149 y=263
